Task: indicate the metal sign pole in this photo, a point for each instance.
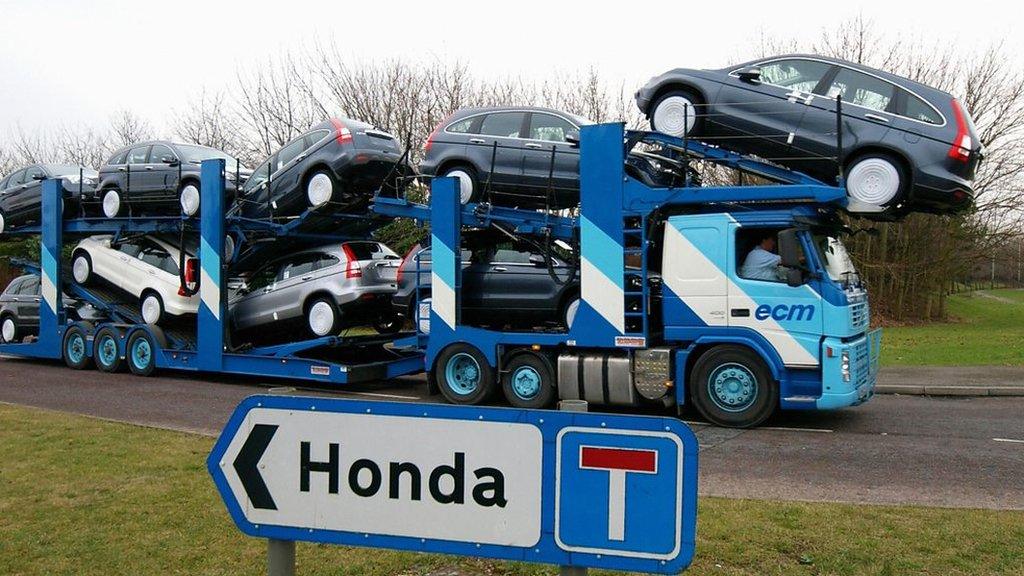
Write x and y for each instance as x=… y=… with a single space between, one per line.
x=281 y=553
x=572 y=406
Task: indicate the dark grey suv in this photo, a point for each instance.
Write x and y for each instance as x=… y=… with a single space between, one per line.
x=19 y=309
x=21 y=192
x=338 y=164
x=906 y=146
x=159 y=177
x=504 y=282
x=531 y=150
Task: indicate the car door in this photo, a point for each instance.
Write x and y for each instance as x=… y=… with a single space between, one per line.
x=760 y=117
x=161 y=176
x=285 y=174
x=255 y=199
x=13 y=195
x=121 y=265
x=28 y=197
x=512 y=282
x=247 y=310
x=498 y=150
x=28 y=301
x=562 y=167
x=869 y=107
x=159 y=268
x=283 y=299
x=137 y=187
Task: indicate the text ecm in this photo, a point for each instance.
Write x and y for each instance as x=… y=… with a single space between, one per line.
x=784 y=312
x=489 y=489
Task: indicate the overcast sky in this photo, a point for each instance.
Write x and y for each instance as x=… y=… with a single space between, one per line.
x=75 y=63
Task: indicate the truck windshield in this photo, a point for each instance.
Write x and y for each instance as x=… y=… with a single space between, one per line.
x=837 y=261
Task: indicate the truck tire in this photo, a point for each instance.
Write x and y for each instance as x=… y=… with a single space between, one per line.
x=463 y=375
x=732 y=387
x=529 y=381
x=141 y=353
x=74 y=349
x=106 y=352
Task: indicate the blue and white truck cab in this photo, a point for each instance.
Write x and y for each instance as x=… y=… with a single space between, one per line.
x=666 y=316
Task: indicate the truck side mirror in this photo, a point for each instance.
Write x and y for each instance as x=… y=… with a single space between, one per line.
x=794 y=277
x=789 y=249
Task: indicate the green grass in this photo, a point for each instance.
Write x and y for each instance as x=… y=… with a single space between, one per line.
x=82 y=496
x=983 y=332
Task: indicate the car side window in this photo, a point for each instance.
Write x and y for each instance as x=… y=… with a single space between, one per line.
x=118 y=158
x=259 y=176
x=289 y=153
x=550 y=128
x=16 y=179
x=302 y=264
x=316 y=136
x=508 y=253
x=461 y=127
x=263 y=277
x=138 y=155
x=863 y=90
x=798 y=74
x=30 y=287
x=130 y=248
x=14 y=286
x=919 y=110
x=156 y=256
x=326 y=261
x=3 y=183
x=159 y=153
x=504 y=124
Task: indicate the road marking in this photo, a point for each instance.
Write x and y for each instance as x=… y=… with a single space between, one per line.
x=1010 y=440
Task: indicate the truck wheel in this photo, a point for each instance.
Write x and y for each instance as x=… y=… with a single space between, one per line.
x=463 y=375
x=74 y=348
x=141 y=353
x=529 y=381
x=675 y=113
x=8 y=330
x=732 y=387
x=105 y=350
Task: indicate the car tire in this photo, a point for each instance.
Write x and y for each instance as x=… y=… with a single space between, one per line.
x=321 y=317
x=463 y=375
x=140 y=353
x=81 y=268
x=73 y=349
x=106 y=353
x=732 y=387
x=3 y=222
x=676 y=113
x=469 y=184
x=877 y=179
x=529 y=381
x=188 y=198
x=569 y=309
x=8 y=330
x=320 y=188
x=388 y=323
x=111 y=203
x=151 y=307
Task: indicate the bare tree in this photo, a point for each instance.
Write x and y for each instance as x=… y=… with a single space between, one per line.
x=209 y=121
x=127 y=128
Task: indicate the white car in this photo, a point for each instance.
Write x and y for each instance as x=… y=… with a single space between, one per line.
x=145 y=267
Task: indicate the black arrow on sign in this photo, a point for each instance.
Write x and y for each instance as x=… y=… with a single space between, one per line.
x=246 y=462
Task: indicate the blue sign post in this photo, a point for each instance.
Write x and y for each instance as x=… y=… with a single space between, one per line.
x=565 y=488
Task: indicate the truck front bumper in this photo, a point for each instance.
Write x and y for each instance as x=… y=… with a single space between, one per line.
x=849 y=370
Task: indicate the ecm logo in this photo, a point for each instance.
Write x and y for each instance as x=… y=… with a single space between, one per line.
x=618 y=492
x=784 y=312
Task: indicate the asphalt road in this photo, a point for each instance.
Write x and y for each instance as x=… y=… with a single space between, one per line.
x=958 y=452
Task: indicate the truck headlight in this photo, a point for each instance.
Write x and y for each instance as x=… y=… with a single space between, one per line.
x=846 y=365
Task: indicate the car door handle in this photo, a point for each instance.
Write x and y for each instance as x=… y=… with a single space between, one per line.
x=500 y=269
x=305 y=278
x=877 y=118
x=533 y=145
x=149 y=167
x=120 y=169
x=477 y=141
x=123 y=258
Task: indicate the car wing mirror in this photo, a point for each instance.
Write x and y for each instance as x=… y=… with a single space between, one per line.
x=538 y=260
x=172 y=162
x=789 y=249
x=751 y=74
x=573 y=139
x=39 y=177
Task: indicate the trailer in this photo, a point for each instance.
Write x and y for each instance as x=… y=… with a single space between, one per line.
x=665 y=316
x=205 y=345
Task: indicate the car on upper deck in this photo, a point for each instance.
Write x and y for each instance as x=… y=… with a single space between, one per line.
x=905 y=146
x=21 y=197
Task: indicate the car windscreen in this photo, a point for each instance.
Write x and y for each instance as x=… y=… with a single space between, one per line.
x=369 y=251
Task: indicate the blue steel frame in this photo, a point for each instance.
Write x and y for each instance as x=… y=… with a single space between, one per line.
x=548 y=422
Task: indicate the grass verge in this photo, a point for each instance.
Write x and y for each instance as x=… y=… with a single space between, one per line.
x=988 y=330
x=82 y=496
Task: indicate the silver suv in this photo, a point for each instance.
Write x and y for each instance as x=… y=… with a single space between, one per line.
x=323 y=289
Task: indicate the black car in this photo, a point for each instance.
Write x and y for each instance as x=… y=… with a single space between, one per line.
x=522 y=155
x=337 y=164
x=905 y=146
x=21 y=192
x=159 y=177
x=504 y=282
x=19 y=309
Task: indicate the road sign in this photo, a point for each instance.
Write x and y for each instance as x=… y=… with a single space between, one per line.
x=574 y=489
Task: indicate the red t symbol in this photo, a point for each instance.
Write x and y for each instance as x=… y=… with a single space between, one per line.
x=618 y=462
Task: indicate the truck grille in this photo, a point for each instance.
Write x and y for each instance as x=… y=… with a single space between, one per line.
x=860 y=362
x=859 y=316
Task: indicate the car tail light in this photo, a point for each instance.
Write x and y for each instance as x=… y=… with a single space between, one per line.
x=962 y=144
x=191 y=277
x=341 y=132
x=401 y=265
x=437 y=129
x=352 y=269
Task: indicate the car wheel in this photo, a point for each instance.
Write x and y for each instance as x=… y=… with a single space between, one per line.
x=8 y=330
x=140 y=353
x=188 y=197
x=321 y=317
x=320 y=188
x=111 y=202
x=105 y=350
x=463 y=375
x=81 y=268
x=732 y=387
x=569 y=310
x=74 y=348
x=529 y=381
x=469 y=190
x=388 y=323
x=152 y=308
x=3 y=222
x=876 y=179
x=675 y=114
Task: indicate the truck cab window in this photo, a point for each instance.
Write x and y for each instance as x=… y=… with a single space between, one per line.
x=758 y=255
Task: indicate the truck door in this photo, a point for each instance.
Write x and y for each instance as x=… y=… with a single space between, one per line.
x=788 y=317
x=693 y=272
